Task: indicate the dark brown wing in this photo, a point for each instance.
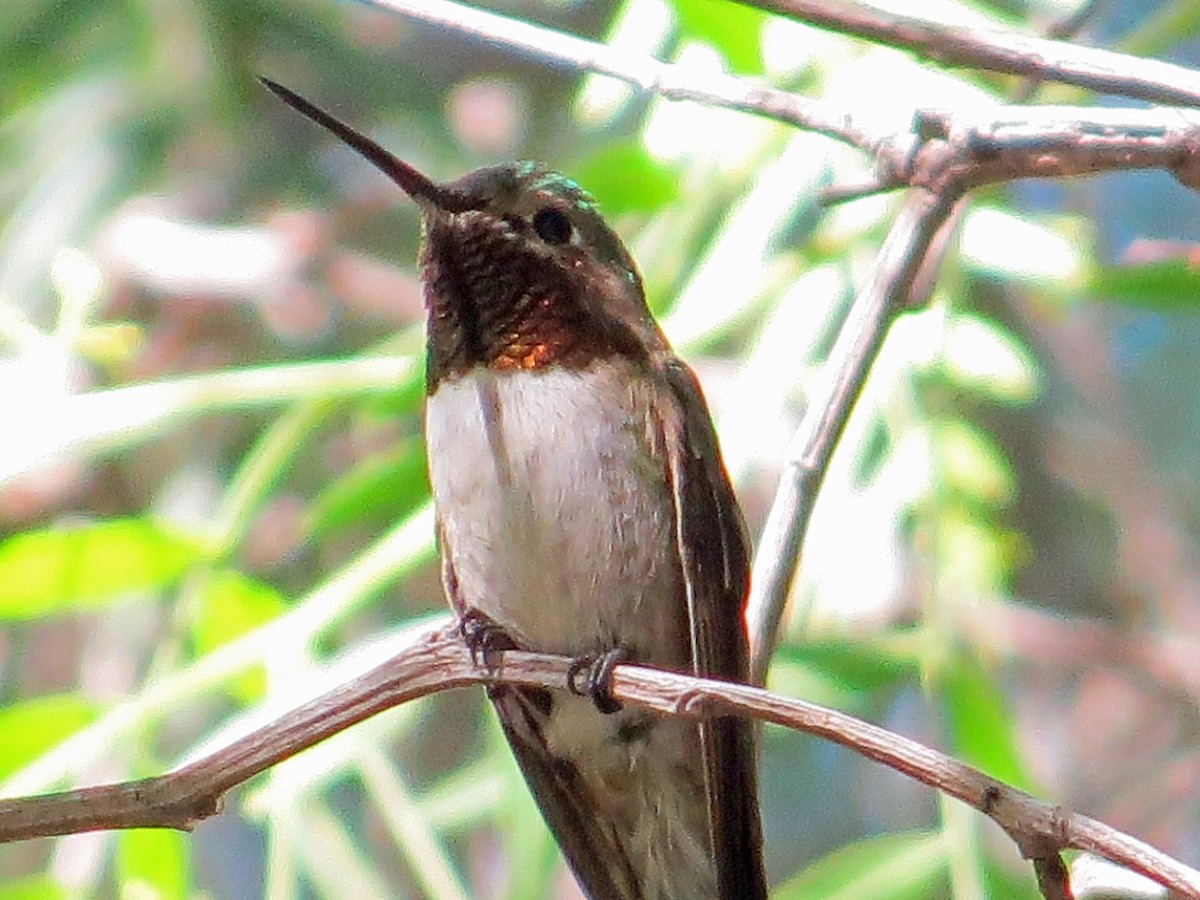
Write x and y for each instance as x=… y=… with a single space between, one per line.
x=714 y=554
x=591 y=843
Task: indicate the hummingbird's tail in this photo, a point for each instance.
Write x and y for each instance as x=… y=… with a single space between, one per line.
x=632 y=816
x=738 y=852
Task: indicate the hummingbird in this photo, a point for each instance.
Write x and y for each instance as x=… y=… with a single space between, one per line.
x=583 y=509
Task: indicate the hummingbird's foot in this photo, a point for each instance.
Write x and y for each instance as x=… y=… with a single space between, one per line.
x=597 y=683
x=484 y=637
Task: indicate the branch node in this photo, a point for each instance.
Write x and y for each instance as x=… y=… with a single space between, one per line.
x=691 y=702
x=992 y=795
x=931 y=125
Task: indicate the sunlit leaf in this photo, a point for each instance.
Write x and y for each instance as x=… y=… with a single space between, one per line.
x=389 y=484
x=230 y=605
x=793 y=679
x=981 y=729
x=893 y=867
x=30 y=727
x=1018 y=884
x=730 y=29
x=832 y=671
x=1019 y=246
x=981 y=355
x=36 y=887
x=625 y=178
x=110 y=342
x=152 y=864
x=233 y=604
x=970 y=463
x=404 y=399
x=976 y=556
x=83 y=566
x=1169 y=286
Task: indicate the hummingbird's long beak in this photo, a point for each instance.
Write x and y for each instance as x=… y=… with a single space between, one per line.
x=425 y=192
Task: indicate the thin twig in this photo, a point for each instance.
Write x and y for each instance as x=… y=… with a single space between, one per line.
x=996 y=50
x=958 y=153
x=437 y=660
x=102 y=420
x=667 y=80
x=1064 y=29
x=851 y=358
x=992 y=49
x=1073 y=141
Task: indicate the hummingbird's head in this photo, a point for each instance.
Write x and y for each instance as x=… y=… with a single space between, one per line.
x=542 y=211
x=520 y=269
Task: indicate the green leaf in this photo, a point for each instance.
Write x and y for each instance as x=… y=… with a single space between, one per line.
x=65 y=568
x=405 y=399
x=971 y=464
x=388 y=484
x=981 y=730
x=232 y=604
x=1011 y=884
x=794 y=679
x=855 y=667
x=983 y=356
x=975 y=557
x=730 y=29
x=1168 y=286
x=35 y=887
x=1043 y=250
x=152 y=864
x=892 y=867
x=31 y=727
x=625 y=178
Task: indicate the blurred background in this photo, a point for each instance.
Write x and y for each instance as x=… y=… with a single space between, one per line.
x=213 y=502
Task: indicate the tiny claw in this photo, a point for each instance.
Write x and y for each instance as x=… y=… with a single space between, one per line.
x=484 y=636
x=598 y=683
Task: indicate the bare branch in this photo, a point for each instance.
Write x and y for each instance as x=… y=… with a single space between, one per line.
x=1039 y=829
x=1009 y=143
x=1062 y=30
x=435 y=661
x=1001 y=51
x=438 y=660
x=668 y=80
x=851 y=358
x=957 y=153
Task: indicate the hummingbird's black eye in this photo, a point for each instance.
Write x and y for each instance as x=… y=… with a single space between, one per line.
x=552 y=225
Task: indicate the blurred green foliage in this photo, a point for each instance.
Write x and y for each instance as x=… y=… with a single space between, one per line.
x=212 y=482
x=67 y=569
